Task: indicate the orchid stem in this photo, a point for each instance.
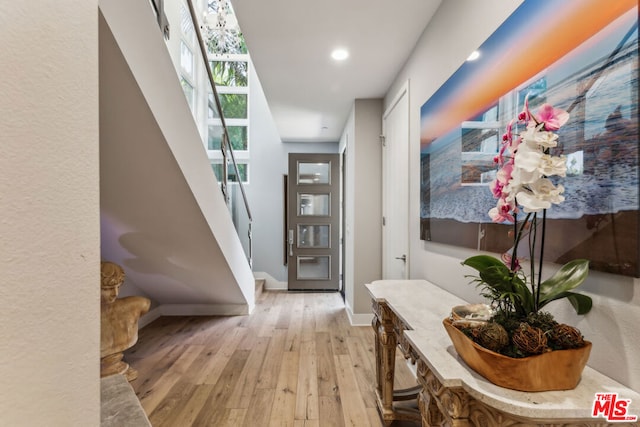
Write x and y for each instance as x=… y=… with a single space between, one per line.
x=518 y=231
x=544 y=224
x=533 y=235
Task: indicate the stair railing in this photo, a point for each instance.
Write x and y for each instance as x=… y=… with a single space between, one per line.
x=229 y=165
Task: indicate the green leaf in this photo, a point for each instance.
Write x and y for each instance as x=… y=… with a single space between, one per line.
x=496 y=275
x=581 y=303
x=482 y=262
x=570 y=276
x=525 y=296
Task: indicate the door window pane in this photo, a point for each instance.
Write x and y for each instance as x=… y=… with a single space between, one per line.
x=313 y=236
x=314 y=173
x=313 y=204
x=314 y=268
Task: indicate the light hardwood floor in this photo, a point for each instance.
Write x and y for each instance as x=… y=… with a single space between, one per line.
x=295 y=361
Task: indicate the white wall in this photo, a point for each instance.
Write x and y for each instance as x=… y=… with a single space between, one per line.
x=363 y=205
x=456 y=31
x=49 y=215
x=268 y=165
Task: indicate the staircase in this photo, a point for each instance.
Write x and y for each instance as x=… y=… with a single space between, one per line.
x=163 y=217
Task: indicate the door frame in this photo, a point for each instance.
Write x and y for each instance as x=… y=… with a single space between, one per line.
x=343 y=219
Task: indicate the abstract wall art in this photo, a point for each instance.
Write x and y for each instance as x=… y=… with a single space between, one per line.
x=578 y=56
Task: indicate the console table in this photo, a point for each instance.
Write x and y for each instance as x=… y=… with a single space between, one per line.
x=408 y=315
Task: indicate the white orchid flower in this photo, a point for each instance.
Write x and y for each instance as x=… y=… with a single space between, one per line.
x=531 y=203
x=531 y=162
x=553 y=165
x=527 y=159
x=536 y=137
x=540 y=195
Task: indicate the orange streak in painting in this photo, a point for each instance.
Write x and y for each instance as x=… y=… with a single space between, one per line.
x=537 y=52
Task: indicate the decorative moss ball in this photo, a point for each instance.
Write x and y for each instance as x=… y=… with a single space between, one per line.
x=542 y=319
x=529 y=339
x=493 y=336
x=565 y=336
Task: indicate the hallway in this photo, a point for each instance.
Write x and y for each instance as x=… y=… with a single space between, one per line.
x=295 y=361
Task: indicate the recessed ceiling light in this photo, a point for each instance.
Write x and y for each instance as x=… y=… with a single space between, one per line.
x=474 y=55
x=340 y=54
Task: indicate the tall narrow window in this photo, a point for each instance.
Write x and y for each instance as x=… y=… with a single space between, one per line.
x=243 y=170
x=187 y=57
x=229 y=63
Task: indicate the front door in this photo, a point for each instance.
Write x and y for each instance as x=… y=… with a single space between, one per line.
x=314 y=221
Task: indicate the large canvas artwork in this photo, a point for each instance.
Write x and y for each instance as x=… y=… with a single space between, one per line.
x=578 y=56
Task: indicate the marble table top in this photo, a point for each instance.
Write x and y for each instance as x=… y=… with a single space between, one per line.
x=422 y=306
x=119 y=405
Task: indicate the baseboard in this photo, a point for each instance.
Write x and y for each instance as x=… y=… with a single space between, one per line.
x=271 y=283
x=151 y=315
x=194 y=310
x=205 y=309
x=358 y=319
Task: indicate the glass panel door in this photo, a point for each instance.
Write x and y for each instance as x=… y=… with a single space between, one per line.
x=313 y=212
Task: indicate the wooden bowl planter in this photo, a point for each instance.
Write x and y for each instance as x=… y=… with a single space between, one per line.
x=554 y=370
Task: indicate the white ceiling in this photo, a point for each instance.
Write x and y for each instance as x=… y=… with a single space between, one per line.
x=290 y=42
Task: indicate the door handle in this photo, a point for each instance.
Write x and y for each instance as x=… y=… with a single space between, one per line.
x=403 y=258
x=290 y=242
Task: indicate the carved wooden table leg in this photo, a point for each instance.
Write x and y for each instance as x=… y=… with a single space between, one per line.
x=386 y=342
x=439 y=405
x=385 y=360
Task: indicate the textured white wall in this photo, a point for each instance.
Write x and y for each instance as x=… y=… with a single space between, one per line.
x=49 y=215
x=456 y=31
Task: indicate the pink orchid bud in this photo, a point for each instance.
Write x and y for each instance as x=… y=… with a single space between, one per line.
x=507 y=258
x=525 y=115
x=496 y=188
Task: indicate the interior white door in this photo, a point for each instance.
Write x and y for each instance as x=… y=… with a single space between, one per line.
x=395 y=173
